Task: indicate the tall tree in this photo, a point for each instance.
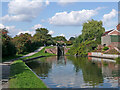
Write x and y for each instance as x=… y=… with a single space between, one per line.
x=8 y=48
x=60 y=38
x=93 y=30
x=42 y=37
x=71 y=39
x=43 y=31
x=23 y=42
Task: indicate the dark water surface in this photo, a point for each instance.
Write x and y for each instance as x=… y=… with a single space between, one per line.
x=76 y=72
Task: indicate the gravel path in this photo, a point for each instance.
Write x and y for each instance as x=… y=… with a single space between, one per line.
x=5 y=69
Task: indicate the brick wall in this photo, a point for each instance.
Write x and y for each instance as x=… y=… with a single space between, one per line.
x=115 y=44
x=106 y=40
x=66 y=50
x=51 y=50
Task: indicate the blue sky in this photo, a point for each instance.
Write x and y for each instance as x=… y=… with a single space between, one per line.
x=59 y=18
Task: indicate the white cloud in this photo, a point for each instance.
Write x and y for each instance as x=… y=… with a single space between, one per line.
x=2 y=26
x=62 y=35
x=8 y=18
x=73 y=17
x=47 y=2
x=11 y=29
x=30 y=32
x=7 y=27
x=37 y=26
x=64 y=2
x=51 y=32
x=109 y=16
x=23 y=10
x=108 y=19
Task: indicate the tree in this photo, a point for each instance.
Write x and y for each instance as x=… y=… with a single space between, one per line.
x=93 y=30
x=71 y=39
x=60 y=38
x=88 y=40
x=8 y=48
x=42 y=37
x=23 y=43
x=43 y=31
x=68 y=43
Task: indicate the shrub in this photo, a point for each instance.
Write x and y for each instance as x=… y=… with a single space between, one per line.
x=118 y=60
x=83 y=48
x=105 y=48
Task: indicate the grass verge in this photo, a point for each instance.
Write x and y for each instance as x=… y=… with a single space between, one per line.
x=22 y=77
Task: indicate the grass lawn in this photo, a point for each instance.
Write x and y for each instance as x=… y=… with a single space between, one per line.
x=40 y=53
x=22 y=77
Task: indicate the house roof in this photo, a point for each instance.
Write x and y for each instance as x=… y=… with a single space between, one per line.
x=112 y=32
x=106 y=33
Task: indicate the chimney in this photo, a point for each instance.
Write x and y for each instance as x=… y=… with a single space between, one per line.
x=118 y=27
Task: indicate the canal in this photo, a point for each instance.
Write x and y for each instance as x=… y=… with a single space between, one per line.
x=76 y=72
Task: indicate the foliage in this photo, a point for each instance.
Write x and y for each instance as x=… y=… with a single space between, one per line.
x=105 y=48
x=43 y=31
x=72 y=39
x=60 y=38
x=22 y=77
x=68 y=43
x=118 y=60
x=83 y=48
x=93 y=30
x=89 y=39
x=8 y=48
x=23 y=43
x=42 y=37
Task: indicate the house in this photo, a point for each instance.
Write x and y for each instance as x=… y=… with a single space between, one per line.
x=111 y=38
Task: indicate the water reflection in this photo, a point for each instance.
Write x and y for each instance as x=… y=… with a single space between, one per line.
x=77 y=72
x=40 y=68
x=92 y=74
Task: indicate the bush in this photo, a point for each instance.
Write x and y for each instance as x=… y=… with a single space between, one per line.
x=118 y=60
x=83 y=48
x=105 y=48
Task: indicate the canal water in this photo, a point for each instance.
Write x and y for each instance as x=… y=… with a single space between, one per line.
x=76 y=72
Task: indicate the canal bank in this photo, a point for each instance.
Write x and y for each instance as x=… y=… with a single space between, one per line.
x=21 y=76
x=101 y=55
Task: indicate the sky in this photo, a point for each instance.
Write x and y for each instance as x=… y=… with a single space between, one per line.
x=60 y=18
